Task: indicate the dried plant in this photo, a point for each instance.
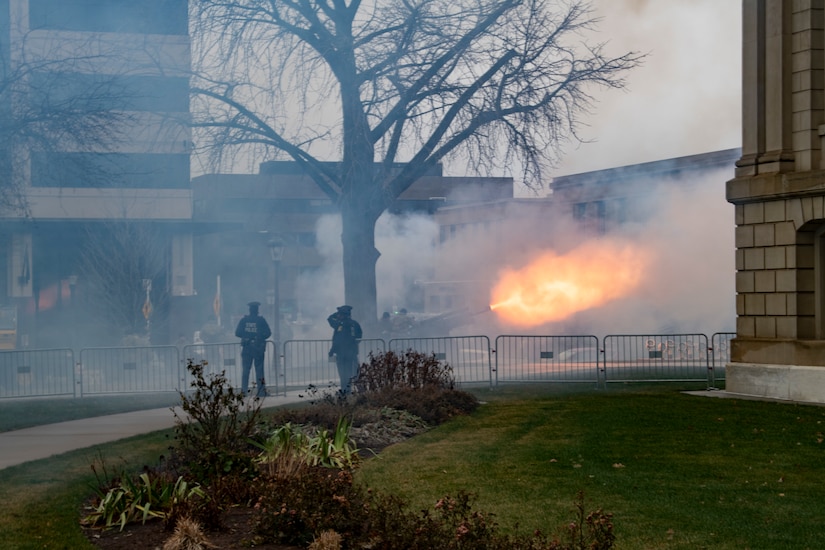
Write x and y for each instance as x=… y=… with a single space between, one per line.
x=327 y=540
x=188 y=535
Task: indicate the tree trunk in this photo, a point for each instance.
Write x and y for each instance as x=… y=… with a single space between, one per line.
x=360 y=259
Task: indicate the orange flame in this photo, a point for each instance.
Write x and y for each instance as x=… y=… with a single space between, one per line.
x=554 y=287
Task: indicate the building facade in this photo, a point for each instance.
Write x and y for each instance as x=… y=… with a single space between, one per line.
x=779 y=196
x=107 y=176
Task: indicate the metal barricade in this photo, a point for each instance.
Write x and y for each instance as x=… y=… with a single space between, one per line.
x=469 y=356
x=130 y=370
x=300 y=363
x=226 y=358
x=308 y=363
x=720 y=355
x=220 y=358
x=656 y=358
x=547 y=359
x=37 y=373
x=369 y=346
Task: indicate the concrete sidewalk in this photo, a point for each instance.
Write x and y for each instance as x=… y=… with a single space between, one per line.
x=20 y=446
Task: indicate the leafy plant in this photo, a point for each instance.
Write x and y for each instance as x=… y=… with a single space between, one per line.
x=333 y=450
x=290 y=447
x=140 y=499
x=281 y=453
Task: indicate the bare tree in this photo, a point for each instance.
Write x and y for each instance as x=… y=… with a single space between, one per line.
x=116 y=258
x=390 y=88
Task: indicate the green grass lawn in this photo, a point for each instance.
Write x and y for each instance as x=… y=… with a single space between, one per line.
x=677 y=471
x=43 y=499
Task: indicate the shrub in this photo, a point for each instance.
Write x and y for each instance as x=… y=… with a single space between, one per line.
x=296 y=509
x=314 y=499
x=411 y=370
x=414 y=382
x=213 y=437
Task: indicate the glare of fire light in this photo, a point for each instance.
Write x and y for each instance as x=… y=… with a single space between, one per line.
x=553 y=287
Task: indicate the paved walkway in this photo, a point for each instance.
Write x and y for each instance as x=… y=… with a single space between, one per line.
x=21 y=446
x=39 y=442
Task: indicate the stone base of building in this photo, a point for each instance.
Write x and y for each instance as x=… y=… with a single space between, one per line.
x=786 y=382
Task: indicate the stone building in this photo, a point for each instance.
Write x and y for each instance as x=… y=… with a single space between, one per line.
x=779 y=197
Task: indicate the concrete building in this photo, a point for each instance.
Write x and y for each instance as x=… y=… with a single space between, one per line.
x=604 y=200
x=129 y=175
x=779 y=196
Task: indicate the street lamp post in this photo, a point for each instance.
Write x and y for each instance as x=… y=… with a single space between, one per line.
x=73 y=309
x=147 y=304
x=276 y=251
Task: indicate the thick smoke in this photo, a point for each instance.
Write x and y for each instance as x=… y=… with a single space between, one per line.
x=407 y=251
x=688 y=288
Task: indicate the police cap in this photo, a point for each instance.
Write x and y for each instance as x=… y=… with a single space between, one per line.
x=254 y=305
x=345 y=309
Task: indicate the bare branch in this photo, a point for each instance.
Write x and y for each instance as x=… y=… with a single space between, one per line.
x=391 y=88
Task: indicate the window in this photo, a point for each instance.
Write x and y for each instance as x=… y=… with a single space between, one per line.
x=120 y=16
x=96 y=92
x=305 y=239
x=601 y=217
x=127 y=170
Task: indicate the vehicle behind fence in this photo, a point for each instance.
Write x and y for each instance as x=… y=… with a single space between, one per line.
x=298 y=364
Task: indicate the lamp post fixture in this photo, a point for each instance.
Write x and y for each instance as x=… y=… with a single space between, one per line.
x=147 y=304
x=72 y=284
x=73 y=309
x=276 y=251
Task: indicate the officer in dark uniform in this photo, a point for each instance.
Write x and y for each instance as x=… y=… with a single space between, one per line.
x=253 y=330
x=345 y=336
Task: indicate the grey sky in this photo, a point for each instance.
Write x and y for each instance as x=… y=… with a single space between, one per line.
x=684 y=100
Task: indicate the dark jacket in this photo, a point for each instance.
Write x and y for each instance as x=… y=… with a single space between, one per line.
x=253 y=330
x=347 y=333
